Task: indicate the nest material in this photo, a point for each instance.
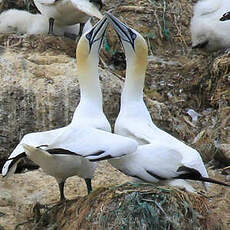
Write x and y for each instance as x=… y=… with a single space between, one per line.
x=18 y=4
x=131 y=206
x=40 y=43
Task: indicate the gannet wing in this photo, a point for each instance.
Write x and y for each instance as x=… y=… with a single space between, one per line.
x=87 y=7
x=34 y=139
x=163 y=162
x=206 y=7
x=92 y=143
x=150 y=163
x=159 y=160
x=154 y=163
x=140 y=131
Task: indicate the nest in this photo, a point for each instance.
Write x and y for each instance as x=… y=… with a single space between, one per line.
x=130 y=206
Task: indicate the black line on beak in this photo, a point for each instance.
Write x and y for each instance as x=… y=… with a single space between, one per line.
x=117 y=24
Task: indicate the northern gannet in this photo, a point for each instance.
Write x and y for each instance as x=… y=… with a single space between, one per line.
x=21 y=21
x=207 y=31
x=68 y=12
x=160 y=157
x=59 y=152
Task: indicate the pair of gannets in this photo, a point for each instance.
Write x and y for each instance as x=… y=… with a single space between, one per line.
x=158 y=157
x=207 y=31
x=21 y=21
x=59 y=152
x=68 y=12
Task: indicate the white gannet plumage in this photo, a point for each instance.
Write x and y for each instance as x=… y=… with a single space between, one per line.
x=68 y=12
x=160 y=156
x=23 y=22
x=207 y=31
x=59 y=152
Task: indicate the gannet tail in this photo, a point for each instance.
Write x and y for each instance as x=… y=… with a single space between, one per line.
x=11 y=164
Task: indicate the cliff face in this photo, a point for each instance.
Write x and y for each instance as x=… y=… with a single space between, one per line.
x=40 y=91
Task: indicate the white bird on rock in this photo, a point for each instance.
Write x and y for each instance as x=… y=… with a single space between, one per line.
x=59 y=152
x=160 y=157
x=21 y=21
x=207 y=31
x=68 y=12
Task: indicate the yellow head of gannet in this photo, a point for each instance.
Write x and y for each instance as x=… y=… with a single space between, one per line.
x=87 y=56
x=88 y=47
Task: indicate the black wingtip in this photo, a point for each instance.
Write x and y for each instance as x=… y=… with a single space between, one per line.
x=193 y=174
x=214 y=181
x=101 y=159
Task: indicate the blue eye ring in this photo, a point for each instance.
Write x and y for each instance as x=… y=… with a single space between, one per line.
x=133 y=35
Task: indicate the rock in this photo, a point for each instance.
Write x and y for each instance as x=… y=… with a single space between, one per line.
x=40 y=91
x=223 y=154
x=5 y=198
x=227 y=178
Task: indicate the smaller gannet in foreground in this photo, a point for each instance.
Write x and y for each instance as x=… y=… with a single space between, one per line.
x=59 y=152
x=160 y=157
x=21 y=21
x=68 y=12
x=207 y=32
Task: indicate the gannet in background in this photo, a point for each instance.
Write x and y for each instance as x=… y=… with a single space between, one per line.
x=59 y=151
x=21 y=21
x=207 y=32
x=160 y=157
x=68 y=12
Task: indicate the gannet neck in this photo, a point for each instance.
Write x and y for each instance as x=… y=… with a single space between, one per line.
x=135 y=72
x=134 y=84
x=87 y=55
x=90 y=89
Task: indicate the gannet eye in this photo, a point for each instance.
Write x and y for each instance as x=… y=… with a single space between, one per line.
x=89 y=35
x=133 y=35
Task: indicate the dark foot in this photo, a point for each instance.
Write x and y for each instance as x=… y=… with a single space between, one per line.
x=89 y=185
x=51 y=26
x=61 y=190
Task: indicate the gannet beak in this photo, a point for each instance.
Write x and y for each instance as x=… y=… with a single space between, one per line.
x=97 y=33
x=124 y=32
